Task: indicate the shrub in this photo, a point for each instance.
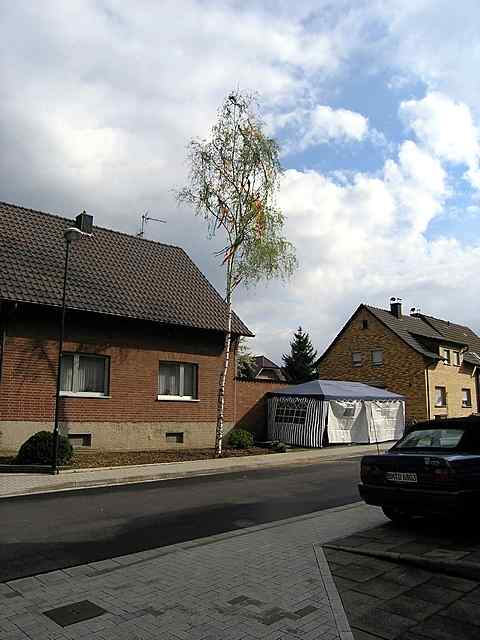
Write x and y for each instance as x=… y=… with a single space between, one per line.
x=240 y=439
x=38 y=449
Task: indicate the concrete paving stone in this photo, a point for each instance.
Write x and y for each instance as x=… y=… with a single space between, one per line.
x=377 y=545
x=452 y=582
x=343 y=583
x=382 y=623
x=408 y=607
x=357 y=573
x=358 y=634
x=433 y=593
x=443 y=628
x=461 y=610
x=408 y=576
x=415 y=548
x=22 y=585
x=381 y=588
x=356 y=603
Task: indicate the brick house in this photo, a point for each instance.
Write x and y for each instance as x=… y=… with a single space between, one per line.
x=434 y=363
x=265 y=369
x=144 y=338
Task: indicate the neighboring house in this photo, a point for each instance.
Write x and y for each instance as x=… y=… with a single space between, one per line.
x=434 y=363
x=265 y=369
x=143 y=346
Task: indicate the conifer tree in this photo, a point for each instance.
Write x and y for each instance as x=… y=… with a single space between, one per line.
x=302 y=362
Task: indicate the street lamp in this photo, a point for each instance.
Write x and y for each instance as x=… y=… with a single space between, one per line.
x=71 y=234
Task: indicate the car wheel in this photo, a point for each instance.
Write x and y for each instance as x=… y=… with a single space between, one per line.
x=395 y=515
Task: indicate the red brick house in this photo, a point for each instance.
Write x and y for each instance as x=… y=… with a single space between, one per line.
x=434 y=363
x=144 y=338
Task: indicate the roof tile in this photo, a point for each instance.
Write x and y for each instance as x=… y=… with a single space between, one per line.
x=110 y=273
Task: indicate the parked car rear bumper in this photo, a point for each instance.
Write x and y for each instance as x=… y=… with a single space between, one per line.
x=417 y=501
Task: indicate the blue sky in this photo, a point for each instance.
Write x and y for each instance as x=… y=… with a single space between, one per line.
x=374 y=102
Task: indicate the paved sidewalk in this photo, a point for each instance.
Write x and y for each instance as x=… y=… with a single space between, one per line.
x=420 y=582
x=269 y=582
x=14 y=484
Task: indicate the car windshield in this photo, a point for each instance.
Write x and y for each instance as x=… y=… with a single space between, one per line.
x=431 y=439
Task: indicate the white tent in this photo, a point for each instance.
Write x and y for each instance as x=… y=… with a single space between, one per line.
x=346 y=412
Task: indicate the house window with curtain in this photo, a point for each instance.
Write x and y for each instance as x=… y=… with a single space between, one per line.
x=440 y=397
x=83 y=374
x=177 y=381
x=466 y=398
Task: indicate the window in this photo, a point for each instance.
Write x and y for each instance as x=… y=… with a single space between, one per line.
x=431 y=439
x=441 y=417
x=377 y=358
x=291 y=412
x=466 y=398
x=356 y=359
x=364 y=324
x=445 y=353
x=84 y=374
x=349 y=412
x=440 y=397
x=456 y=358
x=177 y=381
x=176 y=438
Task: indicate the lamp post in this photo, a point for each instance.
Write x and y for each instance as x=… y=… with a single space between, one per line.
x=71 y=234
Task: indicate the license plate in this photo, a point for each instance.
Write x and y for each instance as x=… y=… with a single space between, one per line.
x=395 y=476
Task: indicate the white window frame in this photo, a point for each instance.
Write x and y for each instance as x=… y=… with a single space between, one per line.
x=456 y=360
x=466 y=404
x=180 y=398
x=357 y=363
x=447 y=356
x=76 y=364
x=377 y=364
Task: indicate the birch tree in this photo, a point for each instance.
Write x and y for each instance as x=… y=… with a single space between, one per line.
x=233 y=181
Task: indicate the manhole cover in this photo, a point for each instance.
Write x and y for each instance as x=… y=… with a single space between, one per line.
x=75 y=612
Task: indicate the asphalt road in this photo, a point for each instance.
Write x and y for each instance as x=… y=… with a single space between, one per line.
x=52 y=531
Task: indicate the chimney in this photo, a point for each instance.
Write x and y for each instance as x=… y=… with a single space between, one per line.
x=84 y=222
x=396 y=307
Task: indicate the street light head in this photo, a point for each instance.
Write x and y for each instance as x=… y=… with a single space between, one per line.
x=72 y=233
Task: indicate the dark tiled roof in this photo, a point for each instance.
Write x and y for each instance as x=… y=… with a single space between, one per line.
x=262 y=362
x=459 y=334
x=110 y=273
x=407 y=327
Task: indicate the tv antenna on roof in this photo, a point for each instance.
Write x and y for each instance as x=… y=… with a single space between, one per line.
x=146 y=218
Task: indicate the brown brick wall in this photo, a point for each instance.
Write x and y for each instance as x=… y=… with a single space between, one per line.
x=251 y=405
x=27 y=387
x=403 y=370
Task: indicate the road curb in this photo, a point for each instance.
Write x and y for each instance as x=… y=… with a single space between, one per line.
x=458 y=568
x=73 y=485
x=341 y=620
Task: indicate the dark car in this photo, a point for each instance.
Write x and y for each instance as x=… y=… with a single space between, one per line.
x=433 y=470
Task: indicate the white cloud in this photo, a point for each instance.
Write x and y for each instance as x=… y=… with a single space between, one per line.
x=446 y=129
x=327 y=124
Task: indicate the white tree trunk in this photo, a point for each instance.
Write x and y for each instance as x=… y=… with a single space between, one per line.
x=223 y=374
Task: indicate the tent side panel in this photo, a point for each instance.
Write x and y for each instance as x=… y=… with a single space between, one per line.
x=302 y=424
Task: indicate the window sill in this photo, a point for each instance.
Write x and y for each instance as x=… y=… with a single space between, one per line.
x=177 y=399
x=440 y=406
x=73 y=394
x=380 y=364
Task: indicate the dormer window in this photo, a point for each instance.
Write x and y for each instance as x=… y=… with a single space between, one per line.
x=446 y=355
x=455 y=358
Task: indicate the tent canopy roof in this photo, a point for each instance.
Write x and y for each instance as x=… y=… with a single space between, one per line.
x=337 y=390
